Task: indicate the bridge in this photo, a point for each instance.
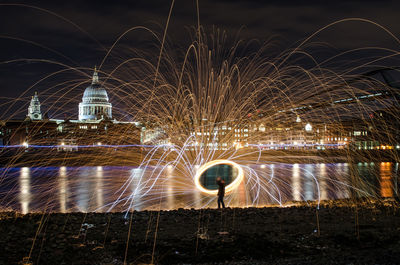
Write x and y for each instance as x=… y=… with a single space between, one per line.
x=384 y=78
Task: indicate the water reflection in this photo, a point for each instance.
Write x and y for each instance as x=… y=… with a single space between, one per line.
x=86 y=189
x=343 y=184
x=386 y=180
x=99 y=187
x=396 y=180
x=309 y=183
x=296 y=184
x=322 y=181
x=63 y=189
x=83 y=192
x=25 y=189
x=135 y=175
x=169 y=186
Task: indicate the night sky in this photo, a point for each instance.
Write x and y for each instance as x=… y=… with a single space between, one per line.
x=287 y=21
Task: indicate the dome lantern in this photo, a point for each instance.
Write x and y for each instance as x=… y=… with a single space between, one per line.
x=95 y=78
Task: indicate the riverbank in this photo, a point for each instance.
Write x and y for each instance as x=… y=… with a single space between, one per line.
x=340 y=232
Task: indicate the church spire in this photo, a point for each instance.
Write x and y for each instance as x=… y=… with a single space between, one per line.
x=95 y=78
x=34 y=112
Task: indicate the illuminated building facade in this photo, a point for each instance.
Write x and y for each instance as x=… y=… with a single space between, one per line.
x=94 y=125
x=95 y=105
x=34 y=112
x=359 y=134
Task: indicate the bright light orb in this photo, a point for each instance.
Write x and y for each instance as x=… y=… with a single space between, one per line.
x=229 y=188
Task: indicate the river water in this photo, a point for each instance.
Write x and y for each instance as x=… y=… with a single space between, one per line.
x=110 y=188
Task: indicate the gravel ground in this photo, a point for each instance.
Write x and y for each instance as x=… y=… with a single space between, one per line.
x=340 y=232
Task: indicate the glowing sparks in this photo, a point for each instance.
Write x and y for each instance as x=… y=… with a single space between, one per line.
x=203 y=106
x=229 y=188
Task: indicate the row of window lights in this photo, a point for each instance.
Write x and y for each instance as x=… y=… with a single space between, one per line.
x=86 y=127
x=308 y=128
x=224 y=128
x=358 y=133
x=295 y=143
x=244 y=135
x=336 y=139
x=215 y=144
x=26 y=145
x=382 y=147
x=63 y=143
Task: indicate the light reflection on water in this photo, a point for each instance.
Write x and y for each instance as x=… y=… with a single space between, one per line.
x=25 y=186
x=65 y=189
x=322 y=181
x=386 y=186
x=296 y=185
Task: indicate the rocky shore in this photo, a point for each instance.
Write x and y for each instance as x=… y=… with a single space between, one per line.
x=339 y=232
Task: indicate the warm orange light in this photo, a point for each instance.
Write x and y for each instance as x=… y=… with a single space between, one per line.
x=228 y=188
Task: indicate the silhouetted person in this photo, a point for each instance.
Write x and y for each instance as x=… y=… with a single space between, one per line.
x=221 y=192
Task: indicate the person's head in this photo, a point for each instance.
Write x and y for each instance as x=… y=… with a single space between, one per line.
x=218 y=179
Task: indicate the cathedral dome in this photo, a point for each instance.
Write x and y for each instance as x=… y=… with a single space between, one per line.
x=95 y=93
x=95 y=105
